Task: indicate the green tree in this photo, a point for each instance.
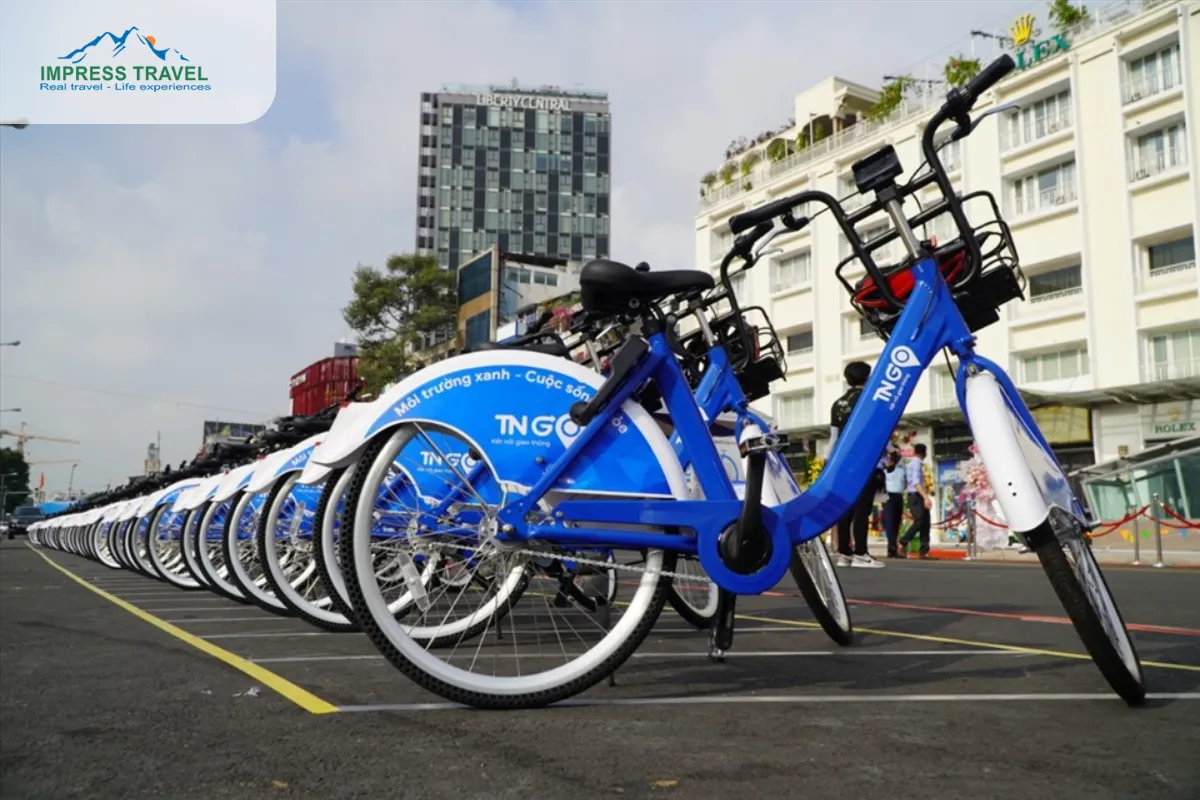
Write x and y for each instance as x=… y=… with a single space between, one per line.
x=890 y=97
x=1064 y=16
x=392 y=307
x=14 y=476
x=959 y=70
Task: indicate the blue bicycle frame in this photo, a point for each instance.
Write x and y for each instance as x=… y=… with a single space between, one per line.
x=929 y=322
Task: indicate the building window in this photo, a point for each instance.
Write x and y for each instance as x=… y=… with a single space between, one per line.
x=1038 y=120
x=1056 y=283
x=1060 y=365
x=865 y=331
x=478 y=329
x=1157 y=152
x=1152 y=73
x=800 y=343
x=791 y=271
x=951 y=155
x=475 y=279
x=944 y=395
x=794 y=410
x=1175 y=355
x=1175 y=256
x=722 y=243
x=740 y=291
x=1044 y=190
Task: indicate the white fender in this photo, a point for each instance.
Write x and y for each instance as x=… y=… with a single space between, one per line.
x=192 y=498
x=264 y=470
x=234 y=481
x=314 y=471
x=340 y=449
x=90 y=517
x=292 y=459
x=112 y=511
x=129 y=510
x=176 y=488
x=1010 y=456
x=148 y=502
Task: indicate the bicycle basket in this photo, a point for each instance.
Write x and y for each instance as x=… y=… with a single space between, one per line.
x=979 y=294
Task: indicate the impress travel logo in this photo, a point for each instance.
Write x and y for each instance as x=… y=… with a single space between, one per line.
x=131 y=62
x=137 y=62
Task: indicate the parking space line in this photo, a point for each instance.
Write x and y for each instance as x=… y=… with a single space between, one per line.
x=1133 y=626
x=746 y=654
x=787 y=699
x=257 y=618
x=924 y=637
x=188 y=610
x=264 y=635
x=282 y=686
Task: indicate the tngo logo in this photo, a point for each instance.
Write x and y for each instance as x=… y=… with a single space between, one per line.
x=542 y=427
x=901 y=359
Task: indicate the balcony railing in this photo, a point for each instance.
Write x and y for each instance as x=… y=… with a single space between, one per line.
x=1021 y=132
x=1156 y=82
x=1143 y=167
x=1061 y=294
x=767 y=171
x=1043 y=201
x=1172 y=370
x=1171 y=269
x=1103 y=17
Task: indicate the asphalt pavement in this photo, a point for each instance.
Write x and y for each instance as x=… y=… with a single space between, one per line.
x=963 y=681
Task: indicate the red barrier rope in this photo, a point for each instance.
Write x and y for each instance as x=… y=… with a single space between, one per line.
x=1186 y=522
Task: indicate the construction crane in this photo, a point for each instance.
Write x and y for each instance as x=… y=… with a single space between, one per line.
x=22 y=437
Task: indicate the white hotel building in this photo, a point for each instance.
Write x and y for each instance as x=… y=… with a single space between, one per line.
x=1095 y=176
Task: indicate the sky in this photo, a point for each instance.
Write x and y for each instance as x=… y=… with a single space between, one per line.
x=159 y=276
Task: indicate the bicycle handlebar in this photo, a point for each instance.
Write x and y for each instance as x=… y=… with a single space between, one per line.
x=958 y=105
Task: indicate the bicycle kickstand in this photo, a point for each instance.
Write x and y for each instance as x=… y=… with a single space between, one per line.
x=720 y=639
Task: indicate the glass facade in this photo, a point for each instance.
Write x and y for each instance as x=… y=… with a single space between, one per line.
x=533 y=180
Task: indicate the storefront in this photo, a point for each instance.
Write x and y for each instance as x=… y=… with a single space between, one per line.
x=1166 y=422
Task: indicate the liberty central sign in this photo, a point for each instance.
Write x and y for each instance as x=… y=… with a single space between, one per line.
x=524 y=101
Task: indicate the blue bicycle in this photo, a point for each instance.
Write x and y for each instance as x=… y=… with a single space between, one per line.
x=582 y=466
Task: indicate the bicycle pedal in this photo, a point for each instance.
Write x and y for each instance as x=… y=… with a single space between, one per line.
x=768 y=442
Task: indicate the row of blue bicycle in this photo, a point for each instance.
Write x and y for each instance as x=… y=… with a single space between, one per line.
x=507 y=525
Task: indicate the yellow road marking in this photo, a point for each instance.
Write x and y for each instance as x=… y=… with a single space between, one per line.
x=924 y=637
x=301 y=697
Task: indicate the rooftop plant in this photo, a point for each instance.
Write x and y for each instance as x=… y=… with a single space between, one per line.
x=1064 y=16
x=890 y=97
x=959 y=70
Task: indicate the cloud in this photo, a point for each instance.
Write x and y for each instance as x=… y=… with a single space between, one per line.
x=208 y=264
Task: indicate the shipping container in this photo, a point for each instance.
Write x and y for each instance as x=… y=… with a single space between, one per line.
x=322 y=384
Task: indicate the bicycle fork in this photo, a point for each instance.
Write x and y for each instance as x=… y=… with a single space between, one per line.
x=746 y=547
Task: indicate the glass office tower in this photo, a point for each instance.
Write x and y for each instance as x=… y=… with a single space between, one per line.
x=524 y=169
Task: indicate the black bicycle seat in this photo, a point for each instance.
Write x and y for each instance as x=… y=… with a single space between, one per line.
x=613 y=287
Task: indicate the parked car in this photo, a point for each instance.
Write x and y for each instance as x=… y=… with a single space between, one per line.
x=22 y=518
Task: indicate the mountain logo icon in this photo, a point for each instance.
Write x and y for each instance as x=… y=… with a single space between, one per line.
x=117 y=47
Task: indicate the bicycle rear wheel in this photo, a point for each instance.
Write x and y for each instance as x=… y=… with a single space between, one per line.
x=1041 y=509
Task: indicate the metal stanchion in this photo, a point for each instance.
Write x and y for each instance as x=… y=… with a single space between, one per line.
x=1137 y=537
x=1156 y=510
x=972 y=545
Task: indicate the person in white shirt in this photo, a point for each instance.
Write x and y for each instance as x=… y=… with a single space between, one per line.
x=919 y=500
x=894 y=481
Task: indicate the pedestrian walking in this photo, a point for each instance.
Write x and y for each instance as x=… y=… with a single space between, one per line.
x=919 y=500
x=895 y=482
x=858 y=518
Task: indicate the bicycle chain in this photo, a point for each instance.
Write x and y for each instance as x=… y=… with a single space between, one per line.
x=541 y=554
